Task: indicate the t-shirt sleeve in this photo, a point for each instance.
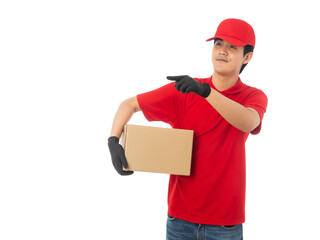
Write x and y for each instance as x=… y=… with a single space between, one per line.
x=258 y=101
x=159 y=104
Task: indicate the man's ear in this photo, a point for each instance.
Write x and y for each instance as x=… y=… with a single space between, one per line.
x=247 y=57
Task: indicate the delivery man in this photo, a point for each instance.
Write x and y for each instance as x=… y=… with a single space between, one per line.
x=222 y=111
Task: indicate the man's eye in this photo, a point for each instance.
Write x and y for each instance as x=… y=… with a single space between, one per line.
x=218 y=44
x=233 y=47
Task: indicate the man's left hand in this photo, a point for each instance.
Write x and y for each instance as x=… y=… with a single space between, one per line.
x=186 y=84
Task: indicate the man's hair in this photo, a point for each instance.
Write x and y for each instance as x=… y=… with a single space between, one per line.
x=247 y=48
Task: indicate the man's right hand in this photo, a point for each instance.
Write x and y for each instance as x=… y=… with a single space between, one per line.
x=117 y=155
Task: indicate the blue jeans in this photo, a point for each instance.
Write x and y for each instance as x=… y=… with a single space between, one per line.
x=180 y=229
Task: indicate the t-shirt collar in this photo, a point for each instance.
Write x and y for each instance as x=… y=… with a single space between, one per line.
x=239 y=86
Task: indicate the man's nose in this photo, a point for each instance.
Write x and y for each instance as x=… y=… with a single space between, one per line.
x=223 y=50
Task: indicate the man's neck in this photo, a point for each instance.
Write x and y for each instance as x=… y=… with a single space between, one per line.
x=222 y=82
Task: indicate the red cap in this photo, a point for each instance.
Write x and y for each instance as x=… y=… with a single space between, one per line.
x=236 y=32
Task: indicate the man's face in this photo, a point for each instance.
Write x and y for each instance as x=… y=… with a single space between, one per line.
x=228 y=59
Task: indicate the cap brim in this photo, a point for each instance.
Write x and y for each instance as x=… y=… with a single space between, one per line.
x=233 y=41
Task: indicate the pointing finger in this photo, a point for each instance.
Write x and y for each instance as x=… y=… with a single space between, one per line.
x=175 y=78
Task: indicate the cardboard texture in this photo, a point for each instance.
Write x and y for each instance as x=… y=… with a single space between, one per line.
x=159 y=150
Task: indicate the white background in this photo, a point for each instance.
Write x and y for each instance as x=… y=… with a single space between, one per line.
x=65 y=66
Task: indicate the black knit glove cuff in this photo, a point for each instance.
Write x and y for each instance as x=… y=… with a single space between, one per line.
x=205 y=92
x=113 y=139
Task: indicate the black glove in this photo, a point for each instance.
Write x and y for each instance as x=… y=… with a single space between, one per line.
x=186 y=84
x=117 y=155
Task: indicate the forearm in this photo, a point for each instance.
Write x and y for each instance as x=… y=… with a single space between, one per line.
x=125 y=111
x=242 y=118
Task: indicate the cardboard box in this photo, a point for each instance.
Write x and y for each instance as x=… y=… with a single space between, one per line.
x=159 y=150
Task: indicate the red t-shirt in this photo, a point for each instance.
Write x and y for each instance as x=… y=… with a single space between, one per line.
x=214 y=193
